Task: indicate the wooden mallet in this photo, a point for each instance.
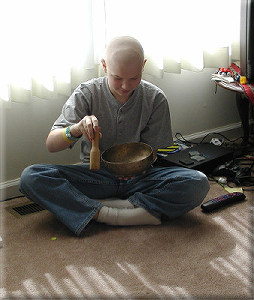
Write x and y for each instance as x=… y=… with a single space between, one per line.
x=95 y=152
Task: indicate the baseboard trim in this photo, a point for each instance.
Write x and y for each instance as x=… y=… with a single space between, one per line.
x=235 y=127
x=10 y=188
x=9 y=183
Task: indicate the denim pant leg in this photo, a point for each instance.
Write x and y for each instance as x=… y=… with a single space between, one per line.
x=67 y=191
x=171 y=191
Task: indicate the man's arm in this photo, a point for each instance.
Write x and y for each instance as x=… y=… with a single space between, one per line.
x=56 y=140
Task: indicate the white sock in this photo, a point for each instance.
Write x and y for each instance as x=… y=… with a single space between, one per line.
x=116 y=203
x=126 y=216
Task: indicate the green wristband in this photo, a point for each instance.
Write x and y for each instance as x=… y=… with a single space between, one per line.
x=70 y=136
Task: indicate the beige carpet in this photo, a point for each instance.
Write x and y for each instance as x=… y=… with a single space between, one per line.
x=196 y=256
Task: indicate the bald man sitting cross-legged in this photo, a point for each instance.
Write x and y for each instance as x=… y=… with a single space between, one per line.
x=126 y=109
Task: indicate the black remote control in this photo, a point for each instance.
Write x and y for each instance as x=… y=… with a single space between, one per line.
x=222 y=201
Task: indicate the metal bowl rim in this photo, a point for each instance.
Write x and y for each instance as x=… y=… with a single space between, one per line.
x=120 y=163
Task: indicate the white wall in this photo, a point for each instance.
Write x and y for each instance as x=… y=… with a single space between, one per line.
x=193 y=104
x=194 y=109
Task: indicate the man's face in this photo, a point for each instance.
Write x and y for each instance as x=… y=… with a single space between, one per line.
x=123 y=78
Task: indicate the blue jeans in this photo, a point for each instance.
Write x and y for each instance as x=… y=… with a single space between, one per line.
x=68 y=191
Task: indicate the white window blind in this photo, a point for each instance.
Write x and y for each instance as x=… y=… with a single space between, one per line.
x=48 y=47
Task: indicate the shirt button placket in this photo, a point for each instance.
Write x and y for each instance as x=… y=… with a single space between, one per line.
x=120 y=123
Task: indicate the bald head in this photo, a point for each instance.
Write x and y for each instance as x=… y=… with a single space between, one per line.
x=124 y=49
x=123 y=64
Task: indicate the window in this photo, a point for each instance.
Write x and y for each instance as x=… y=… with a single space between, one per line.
x=50 y=46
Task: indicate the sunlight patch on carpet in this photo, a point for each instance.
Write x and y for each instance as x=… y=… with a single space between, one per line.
x=238 y=263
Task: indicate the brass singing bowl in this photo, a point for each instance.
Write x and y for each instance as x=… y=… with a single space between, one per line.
x=127 y=159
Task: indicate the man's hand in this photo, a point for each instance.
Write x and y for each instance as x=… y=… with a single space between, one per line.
x=87 y=126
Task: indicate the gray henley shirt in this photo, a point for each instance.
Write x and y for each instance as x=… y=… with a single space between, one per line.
x=143 y=118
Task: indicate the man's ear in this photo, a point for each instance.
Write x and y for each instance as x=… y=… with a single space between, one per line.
x=145 y=60
x=104 y=65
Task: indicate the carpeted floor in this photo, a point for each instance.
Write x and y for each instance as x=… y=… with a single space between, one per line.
x=197 y=256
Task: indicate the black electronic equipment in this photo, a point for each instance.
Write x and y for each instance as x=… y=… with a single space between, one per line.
x=209 y=156
x=222 y=201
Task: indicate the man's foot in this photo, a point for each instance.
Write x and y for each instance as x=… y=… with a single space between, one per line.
x=126 y=216
x=116 y=203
